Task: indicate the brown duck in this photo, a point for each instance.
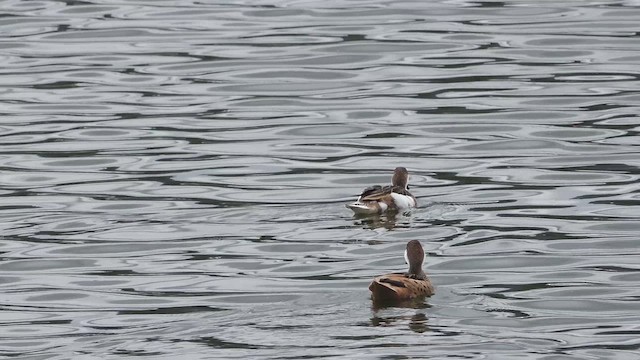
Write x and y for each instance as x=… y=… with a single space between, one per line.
x=404 y=286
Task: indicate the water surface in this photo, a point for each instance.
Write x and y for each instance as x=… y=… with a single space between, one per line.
x=173 y=178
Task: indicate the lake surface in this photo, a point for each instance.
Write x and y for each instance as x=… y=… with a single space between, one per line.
x=173 y=177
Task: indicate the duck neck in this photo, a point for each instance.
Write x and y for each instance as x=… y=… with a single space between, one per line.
x=399 y=180
x=400 y=184
x=416 y=271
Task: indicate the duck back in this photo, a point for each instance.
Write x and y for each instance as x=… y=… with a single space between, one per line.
x=398 y=286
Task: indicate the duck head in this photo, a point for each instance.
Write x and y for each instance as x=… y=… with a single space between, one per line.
x=400 y=177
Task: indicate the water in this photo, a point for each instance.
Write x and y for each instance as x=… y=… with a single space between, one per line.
x=173 y=178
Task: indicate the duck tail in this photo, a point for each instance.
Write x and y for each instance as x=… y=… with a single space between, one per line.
x=360 y=208
x=382 y=292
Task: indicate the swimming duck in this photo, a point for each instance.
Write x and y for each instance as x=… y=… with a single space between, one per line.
x=404 y=286
x=378 y=199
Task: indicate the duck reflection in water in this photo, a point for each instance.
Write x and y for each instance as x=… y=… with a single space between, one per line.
x=388 y=221
x=417 y=321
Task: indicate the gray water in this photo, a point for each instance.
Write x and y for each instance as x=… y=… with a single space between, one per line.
x=173 y=177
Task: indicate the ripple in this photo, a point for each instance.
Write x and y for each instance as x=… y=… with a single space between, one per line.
x=43 y=264
x=47 y=178
x=318 y=131
x=286 y=88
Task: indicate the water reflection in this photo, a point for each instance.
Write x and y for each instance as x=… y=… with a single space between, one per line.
x=384 y=314
x=387 y=221
x=415 y=303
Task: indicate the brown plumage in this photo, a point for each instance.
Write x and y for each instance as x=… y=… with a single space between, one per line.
x=404 y=286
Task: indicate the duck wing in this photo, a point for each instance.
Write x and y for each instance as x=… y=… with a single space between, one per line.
x=376 y=192
x=370 y=190
x=397 y=286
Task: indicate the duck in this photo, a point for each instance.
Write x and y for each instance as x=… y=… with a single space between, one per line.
x=404 y=286
x=379 y=199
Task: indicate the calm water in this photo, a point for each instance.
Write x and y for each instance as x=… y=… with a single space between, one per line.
x=173 y=177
